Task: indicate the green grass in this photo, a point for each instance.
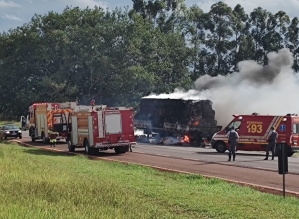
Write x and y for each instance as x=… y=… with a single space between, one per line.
x=296 y=155
x=36 y=184
x=11 y=122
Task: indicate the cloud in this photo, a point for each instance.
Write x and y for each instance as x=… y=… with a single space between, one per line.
x=10 y=17
x=4 y=4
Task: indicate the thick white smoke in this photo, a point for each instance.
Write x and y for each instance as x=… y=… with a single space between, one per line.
x=271 y=89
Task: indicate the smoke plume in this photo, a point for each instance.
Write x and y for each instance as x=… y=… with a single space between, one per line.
x=270 y=89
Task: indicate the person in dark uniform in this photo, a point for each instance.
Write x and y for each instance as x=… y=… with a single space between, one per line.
x=233 y=137
x=23 y=122
x=271 y=143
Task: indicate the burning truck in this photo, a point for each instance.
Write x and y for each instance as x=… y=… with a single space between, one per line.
x=190 y=121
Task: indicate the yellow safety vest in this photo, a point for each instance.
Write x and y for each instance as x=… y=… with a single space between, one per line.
x=53 y=133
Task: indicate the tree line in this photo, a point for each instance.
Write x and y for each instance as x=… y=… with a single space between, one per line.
x=117 y=56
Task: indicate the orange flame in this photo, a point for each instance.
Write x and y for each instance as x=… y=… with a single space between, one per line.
x=186 y=139
x=196 y=123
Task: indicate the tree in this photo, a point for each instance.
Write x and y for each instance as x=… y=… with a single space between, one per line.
x=118 y=56
x=242 y=43
x=195 y=35
x=258 y=19
x=219 y=24
x=292 y=37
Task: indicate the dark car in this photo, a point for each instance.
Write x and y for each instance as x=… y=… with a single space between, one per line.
x=10 y=131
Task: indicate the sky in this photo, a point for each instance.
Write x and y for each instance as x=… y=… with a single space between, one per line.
x=14 y=13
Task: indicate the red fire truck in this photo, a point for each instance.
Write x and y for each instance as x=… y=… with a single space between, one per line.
x=101 y=128
x=254 y=131
x=43 y=117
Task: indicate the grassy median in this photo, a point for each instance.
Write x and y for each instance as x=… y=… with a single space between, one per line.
x=38 y=184
x=10 y=122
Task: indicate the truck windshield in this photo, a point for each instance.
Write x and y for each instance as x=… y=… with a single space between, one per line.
x=59 y=118
x=235 y=124
x=11 y=127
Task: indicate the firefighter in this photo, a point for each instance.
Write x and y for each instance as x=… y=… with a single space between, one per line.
x=52 y=136
x=233 y=137
x=271 y=143
x=23 y=123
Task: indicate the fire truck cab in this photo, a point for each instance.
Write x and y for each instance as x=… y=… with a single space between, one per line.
x=101 y=128
x=254 y=131
x=45 y=116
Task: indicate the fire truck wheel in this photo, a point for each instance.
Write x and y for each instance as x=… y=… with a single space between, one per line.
x=45 y=140
x=95 y=151
x=126 y=148
x=220 y=147
x=121 y=150
x=71 y=147
x=31 y=134
x=88 y=150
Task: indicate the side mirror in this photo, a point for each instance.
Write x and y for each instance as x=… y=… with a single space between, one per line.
x=226 y=129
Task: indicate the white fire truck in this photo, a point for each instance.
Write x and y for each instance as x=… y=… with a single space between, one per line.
x=45 y=116
x=101 y=128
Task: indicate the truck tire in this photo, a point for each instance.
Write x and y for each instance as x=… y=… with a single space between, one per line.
x=220 y=147
x=87 y=147
x=95 y=151
x=70 y=146
x=121 y=150
x=32 y=135
x=89 y=150
x=45 y=140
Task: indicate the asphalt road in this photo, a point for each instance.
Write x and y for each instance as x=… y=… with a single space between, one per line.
x=203 y=161
x=243 y=158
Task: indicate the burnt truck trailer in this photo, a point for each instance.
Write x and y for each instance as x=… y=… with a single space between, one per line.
x=192 y=119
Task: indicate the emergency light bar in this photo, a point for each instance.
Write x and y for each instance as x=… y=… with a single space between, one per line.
x=240 y=117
